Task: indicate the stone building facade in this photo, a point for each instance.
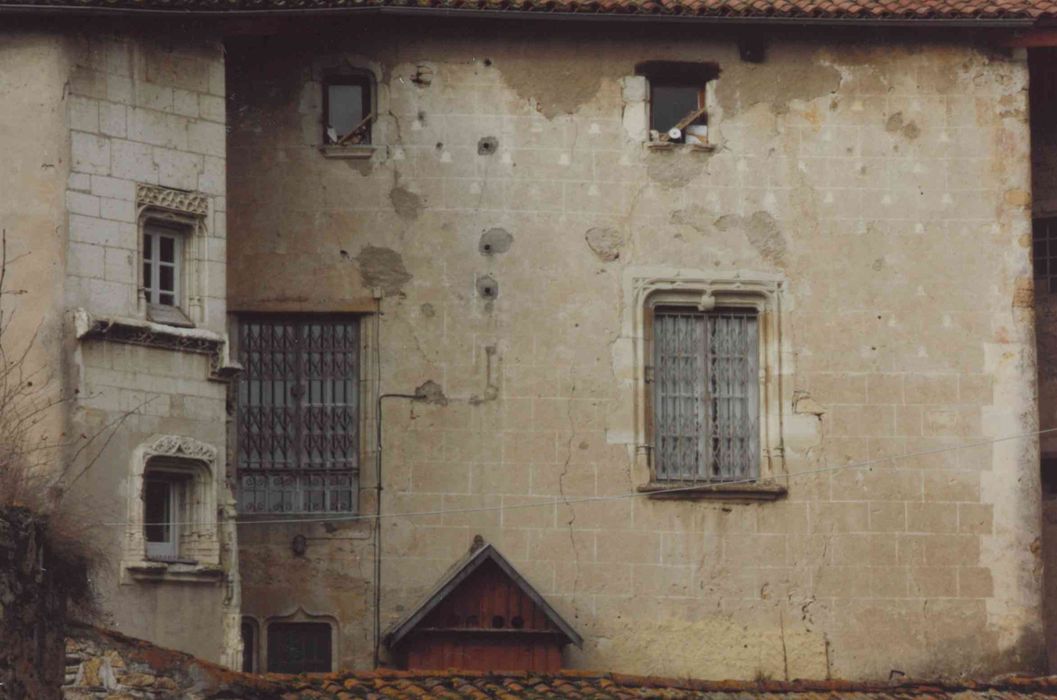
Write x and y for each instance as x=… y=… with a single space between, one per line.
x=869 y=193
x=471 y=238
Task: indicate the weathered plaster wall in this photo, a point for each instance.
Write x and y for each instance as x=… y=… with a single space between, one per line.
x=886 y=181
x=35 y=141
x=146 y=106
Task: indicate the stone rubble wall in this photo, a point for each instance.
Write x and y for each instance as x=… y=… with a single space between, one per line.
x=32 y=611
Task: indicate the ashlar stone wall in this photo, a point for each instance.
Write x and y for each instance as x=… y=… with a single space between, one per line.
x=146 y=117
x=879 y=182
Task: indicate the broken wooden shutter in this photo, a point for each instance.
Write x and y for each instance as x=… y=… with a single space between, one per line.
x=705 y=394
x=298 y=414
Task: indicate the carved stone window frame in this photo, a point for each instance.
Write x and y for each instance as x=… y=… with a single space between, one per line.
x=201 y=542
x=183 y=210
x=647 y=289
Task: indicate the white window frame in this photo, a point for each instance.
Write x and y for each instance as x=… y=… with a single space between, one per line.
x=169 y=548
x=182 y=216
x=193 y=467
x=156 y=232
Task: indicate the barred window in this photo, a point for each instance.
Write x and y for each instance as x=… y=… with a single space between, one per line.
x=705 y=393
x=299 y=647
x=298 y=414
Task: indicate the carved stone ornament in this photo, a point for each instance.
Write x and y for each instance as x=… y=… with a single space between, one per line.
x=154 y=335
x=174 y=200
x=181 y=446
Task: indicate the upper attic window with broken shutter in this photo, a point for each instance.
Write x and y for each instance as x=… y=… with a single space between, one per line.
x=678 y=100
x=348 y=110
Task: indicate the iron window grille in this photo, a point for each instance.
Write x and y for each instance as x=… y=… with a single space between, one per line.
x=299 y=647
x=705 y=395
x=1044 y=254
x=298 y=414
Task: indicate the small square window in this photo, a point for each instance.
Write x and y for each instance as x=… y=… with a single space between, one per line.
x=671 y=104
x=347 y=110
x=677 y=95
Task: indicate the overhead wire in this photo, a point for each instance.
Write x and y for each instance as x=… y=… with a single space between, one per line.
x=694 y=487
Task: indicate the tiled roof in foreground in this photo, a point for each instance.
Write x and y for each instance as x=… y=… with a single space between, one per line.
x=106 y=664
x=804 y=10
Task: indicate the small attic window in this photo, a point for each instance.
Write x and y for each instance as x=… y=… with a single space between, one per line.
x=347 y=110
x=678 y=99
x=670 y=103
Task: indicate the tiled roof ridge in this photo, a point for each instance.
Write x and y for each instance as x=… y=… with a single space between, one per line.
x=1021 y=683
x=804 y=10
x=94 y=653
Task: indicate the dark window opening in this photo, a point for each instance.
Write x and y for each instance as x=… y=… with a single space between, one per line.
x=1042 y=64
x=1044 y=254
x=159 y=508
x=249 y=646
x=677 y=99
x=299 y=647
x=671 y=104
x=1049 y=477
x=347 y=110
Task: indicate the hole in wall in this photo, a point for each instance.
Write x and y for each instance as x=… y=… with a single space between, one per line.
x=487 y=146
x=517 y=622
x=498 y=622
x=487 y=287
x=495 y=240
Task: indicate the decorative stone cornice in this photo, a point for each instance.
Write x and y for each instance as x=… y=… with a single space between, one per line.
x=181 y=201
x=155 y=335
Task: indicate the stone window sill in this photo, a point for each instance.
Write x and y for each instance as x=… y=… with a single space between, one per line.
x=690 y=491
x=175 y=571
x=357 y=152
x=161 y=336
x=664 y=146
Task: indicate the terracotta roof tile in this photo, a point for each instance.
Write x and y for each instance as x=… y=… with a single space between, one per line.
x=211 y=681
x=762 y=9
